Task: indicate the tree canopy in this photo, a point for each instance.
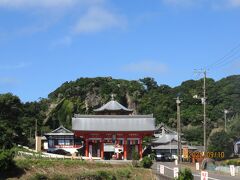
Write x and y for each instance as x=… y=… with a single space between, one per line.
x=145 y=96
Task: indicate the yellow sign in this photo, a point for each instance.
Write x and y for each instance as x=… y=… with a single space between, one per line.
x=185 y=152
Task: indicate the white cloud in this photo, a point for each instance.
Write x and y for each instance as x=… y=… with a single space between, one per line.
x=183 y=3
x=146 y=67
x=35 y=3
x=8 y=81
x=14 y=66
x=87 y=16
x=65 y=41
x=215 y=4
x=19 y=4
x=98 y=19
x=234 y=3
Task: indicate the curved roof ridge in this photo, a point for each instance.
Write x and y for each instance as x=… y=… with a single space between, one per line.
x=112 y=106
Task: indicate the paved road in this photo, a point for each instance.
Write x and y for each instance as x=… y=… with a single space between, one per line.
x=168 y=171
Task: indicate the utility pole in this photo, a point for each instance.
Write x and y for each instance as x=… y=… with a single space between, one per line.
x=203 y=99
x=179 y=130
x=225 y=119
x=36 y=129
x=204 y=111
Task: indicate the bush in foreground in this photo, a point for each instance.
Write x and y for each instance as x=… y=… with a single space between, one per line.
x=6 y=160
x=185 y=174
x=135 y=158
x=39 y=177
x=235 y=162
x=146 y=162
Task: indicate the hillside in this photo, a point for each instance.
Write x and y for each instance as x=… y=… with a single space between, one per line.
x=145 y=96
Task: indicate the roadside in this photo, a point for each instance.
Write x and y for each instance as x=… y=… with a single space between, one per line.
x=168 y=171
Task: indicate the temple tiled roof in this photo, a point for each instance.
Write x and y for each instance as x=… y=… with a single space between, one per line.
x=60 y=131
x=165 y=138
x=113 y=106
x=113 y=123
x=174 y=146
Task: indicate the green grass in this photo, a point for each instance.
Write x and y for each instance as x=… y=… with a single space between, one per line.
x=44 y=163
x=235 y=162
x=38 y=168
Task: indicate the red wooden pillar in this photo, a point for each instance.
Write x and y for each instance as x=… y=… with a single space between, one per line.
x=87 y=149
x=140 y=148
x=102 y=149
x=125 y=149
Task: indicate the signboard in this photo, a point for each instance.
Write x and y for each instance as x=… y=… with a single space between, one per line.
x=185 y=152
x=175 y=172
x=161 y=169
x=204 y=175
x=109 y=147
x=197 y=166
x=232 y=170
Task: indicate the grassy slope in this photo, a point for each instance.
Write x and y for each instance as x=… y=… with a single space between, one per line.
x=72 y=169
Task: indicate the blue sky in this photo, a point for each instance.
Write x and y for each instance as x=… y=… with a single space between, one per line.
x=46 y=43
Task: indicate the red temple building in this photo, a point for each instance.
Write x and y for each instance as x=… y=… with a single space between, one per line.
x=113 y=132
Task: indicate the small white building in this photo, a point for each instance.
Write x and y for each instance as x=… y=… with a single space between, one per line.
x=62 y=138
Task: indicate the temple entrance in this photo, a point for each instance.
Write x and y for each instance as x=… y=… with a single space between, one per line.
x=108 y=155
x=94 y=149
x=130 y=150
x=109 y=150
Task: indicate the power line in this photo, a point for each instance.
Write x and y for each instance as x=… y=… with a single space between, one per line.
x=226 y=58
x=229 y=61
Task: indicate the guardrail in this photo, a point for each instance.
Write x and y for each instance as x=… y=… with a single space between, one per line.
x=55 y=156
x=165 y=172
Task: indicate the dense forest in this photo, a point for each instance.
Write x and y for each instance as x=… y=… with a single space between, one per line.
x=145 y=96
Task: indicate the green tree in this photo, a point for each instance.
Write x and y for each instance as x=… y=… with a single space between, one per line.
x=185 y=174
x=10 y=113
x=220 y=141
x=6 y=160
x=149 y=83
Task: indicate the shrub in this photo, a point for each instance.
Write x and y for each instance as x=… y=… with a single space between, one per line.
x=234 y=162
x=39 y=177
x=59 y=177
x=135 y=155
x=185 y=174
x=6 y=160
x=99 y=175
x=123 y=173
x=105 y=175
x=146 y=162
x=220 y=142
x=135 y=158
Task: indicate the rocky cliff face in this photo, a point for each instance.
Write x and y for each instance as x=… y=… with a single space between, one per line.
x=91 y=101
x=131 y=104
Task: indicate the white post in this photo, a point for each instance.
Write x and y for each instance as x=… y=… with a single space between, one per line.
x=232 y=170
x=161 y=169
x=175 y=172
x=197 y=166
